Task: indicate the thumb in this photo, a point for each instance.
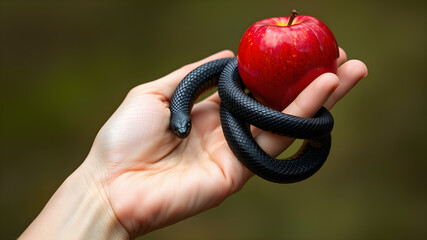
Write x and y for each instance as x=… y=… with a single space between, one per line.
x=166 y=85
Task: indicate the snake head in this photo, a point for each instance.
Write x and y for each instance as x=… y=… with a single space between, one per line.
x=180 y=124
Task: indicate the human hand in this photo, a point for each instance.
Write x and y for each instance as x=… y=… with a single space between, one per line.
x=153 y=179
x=139 y=176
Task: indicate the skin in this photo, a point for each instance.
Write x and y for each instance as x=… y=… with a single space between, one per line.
x=139 y=177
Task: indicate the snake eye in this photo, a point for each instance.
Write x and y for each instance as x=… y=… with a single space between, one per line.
x=188 y=124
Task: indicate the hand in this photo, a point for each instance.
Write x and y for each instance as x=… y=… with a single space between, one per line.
x=150 y=178
x=154 y=179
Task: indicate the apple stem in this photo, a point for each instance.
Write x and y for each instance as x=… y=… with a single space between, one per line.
x=291 y=19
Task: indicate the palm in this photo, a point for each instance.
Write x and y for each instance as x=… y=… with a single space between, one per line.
x=154 y=175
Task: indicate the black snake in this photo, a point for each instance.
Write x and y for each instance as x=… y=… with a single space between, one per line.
x=238 y=110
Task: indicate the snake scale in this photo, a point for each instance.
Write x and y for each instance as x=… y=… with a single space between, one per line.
x=239 y=109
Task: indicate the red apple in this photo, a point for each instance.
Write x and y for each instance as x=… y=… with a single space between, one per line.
x=278 y=57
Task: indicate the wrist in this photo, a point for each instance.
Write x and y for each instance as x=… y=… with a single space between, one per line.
x=79 y=209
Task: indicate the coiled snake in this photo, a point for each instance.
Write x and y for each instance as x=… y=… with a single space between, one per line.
x=238 y=110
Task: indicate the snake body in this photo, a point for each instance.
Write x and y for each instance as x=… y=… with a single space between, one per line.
x=238 y=110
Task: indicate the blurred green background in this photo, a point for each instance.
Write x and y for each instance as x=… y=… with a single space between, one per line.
x=67 y=65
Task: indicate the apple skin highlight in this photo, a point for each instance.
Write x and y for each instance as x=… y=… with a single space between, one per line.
x=276 y=61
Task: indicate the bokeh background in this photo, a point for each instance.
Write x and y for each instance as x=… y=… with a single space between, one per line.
x=65 y=66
